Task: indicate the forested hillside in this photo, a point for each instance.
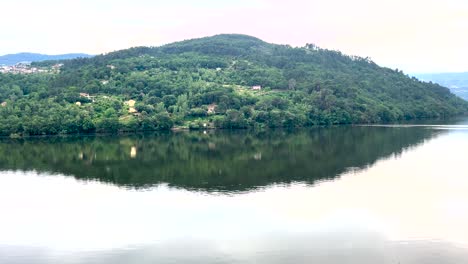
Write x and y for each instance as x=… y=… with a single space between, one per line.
x=225 y=81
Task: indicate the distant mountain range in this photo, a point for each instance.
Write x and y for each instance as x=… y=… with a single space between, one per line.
x=12 y=59
x=456 y=82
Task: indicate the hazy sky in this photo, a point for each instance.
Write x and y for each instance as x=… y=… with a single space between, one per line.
x=413 y=35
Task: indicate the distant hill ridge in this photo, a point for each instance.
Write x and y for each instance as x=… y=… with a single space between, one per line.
x=457 y=82
x=12 y=59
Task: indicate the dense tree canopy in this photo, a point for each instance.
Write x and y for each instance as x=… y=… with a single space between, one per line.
x=208 y=82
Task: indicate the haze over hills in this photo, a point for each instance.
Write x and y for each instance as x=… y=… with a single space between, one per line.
x=456 y=82
x=224 y=81
x=12 y=59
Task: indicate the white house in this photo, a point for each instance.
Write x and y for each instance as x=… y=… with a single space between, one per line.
x=256 y=87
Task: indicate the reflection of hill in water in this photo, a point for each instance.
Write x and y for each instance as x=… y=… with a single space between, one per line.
x=221 y=160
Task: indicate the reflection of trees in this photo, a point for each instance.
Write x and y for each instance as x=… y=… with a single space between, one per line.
x=221 y=160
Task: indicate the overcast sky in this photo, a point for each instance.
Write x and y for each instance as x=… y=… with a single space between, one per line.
x=413 y=35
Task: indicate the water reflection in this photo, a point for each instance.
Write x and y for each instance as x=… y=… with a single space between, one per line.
x=218 y=161
x=343 y=195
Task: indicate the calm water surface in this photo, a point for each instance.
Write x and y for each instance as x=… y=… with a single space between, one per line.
x=362 y=195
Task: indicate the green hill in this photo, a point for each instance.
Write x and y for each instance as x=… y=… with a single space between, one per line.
x=209 y=82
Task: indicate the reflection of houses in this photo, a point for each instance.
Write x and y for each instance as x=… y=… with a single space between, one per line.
x=256 y=87
x=133 y=152
x=258 y=156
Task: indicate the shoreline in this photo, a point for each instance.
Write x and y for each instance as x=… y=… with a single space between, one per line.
x=438 y=122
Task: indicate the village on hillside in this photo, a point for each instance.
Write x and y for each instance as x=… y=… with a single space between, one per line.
x=27 y=68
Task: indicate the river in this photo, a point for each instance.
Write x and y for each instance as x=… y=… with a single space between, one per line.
x=353 y=194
